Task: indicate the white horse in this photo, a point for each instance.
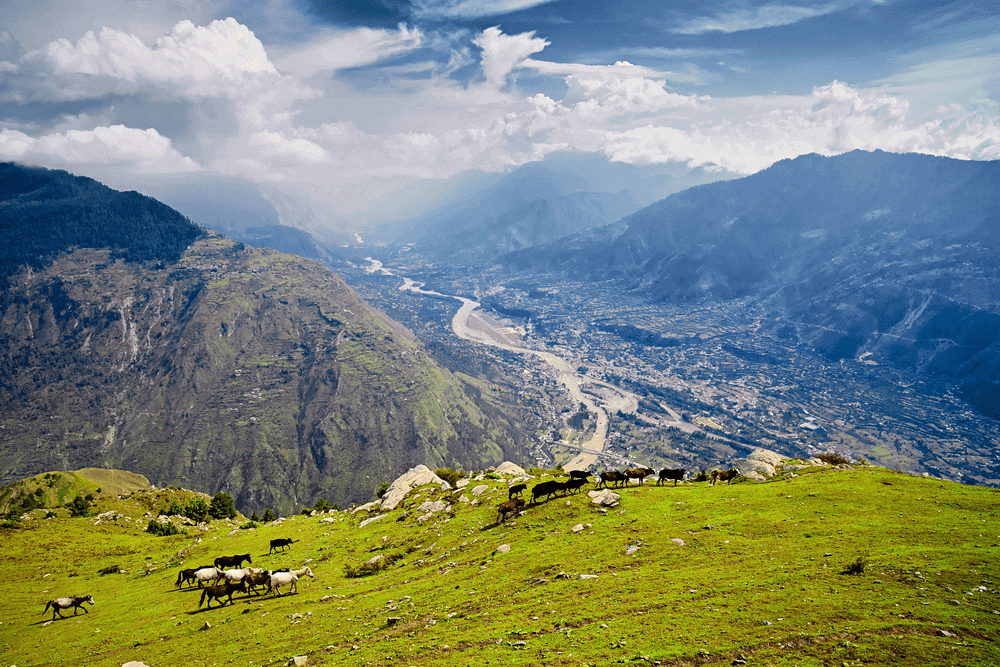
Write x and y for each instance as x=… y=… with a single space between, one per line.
x=206 y=574
x=238 y=574
x=76 y=602
x=289 y=578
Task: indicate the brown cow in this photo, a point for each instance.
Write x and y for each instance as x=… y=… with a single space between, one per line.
x=726 y=476
x=641 y=473
x=612 y=476
x=512 y=505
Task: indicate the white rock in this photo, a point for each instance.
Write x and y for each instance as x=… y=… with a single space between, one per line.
x=632 y=548
x=479 y=490
x=367 y=507
x=503 y=548
x=372 y=520
x=605 y=497
x=586 y=576
x=678 y=541
x=374 y=559
x=508 y=468
x=417 y=476
x=578 y=528
x=431 y=507
x=462 y=483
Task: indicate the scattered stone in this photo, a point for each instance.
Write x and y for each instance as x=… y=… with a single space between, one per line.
x=462 y=483
x=538 y=581
x=578 y=528
x=134 y=663
x=605 y=497
x=46 y=624
x=678 y=541
x=372 y=520
x=374 y=559
x=478 y=491
x=431 y=507
x=519 y=643
x=207 y=626
x=631 y=549
x=503 y=548
x=766 y=623
x=402 y=517
x=367 y=507
x=586 y=576
x=945 y=633
x=393 y=620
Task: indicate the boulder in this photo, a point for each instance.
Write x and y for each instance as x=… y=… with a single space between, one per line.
x=760 y=461
x=432 y=507
x=508 y=468
x=605 y=497
x=417 y=476
x=478 y=491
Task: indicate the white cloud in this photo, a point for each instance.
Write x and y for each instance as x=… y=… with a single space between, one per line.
x=470 y=9
x=205 y=60
x=349 y=48
x=768 y=16
x=142 y=151
x=503 y=53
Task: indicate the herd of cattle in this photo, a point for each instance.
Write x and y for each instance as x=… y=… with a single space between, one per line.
x=577 y=478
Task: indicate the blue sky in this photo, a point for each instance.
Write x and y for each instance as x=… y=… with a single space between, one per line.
x=349 y=101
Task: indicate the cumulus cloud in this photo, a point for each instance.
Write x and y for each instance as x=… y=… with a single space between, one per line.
x=768 y=16
x=349 y=48
x=206 y=60
x=142 y=151
x=503 y=53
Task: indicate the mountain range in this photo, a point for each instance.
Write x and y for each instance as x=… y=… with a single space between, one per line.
x=136 y=339
x=895 y=255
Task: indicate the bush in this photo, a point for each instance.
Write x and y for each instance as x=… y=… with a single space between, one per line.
x=449 y=475
x=222 y=506
x=832 y=459
x=161 y=529
x=80 y=506
x=858 y=565
x=248 y=525
x=702 y=476
x=382 y=489
x=175 y=509
x=196 y=510
x=254 y=518
x=321 y=506
x=268 y=516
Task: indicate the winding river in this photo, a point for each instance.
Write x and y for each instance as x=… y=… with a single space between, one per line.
x=469 y=326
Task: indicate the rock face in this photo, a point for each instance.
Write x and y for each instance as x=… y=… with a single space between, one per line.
x=759 y=461
x=417 y=476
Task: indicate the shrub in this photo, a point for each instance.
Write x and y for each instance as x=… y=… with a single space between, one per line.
x=268 y=516
x=255 y=518
x=222 y=506
x=248 y=525
x=80 y=506
x=702 y=476
x=161 y=529
x=858 y=565
x=196 y=510
x=832 y=459
x=382 y=489
x=175 y=509
x=450 y=475
x=321 y=506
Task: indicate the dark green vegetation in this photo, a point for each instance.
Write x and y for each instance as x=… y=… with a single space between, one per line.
x=45 y=212
x=859 y=566
x=222 y=367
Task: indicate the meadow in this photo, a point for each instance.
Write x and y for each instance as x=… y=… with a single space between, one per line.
x=834 y=566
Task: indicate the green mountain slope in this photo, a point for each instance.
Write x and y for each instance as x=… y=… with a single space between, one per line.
x=227 y=368
x=752 y=573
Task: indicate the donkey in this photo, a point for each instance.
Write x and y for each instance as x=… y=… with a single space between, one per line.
x=65 y=603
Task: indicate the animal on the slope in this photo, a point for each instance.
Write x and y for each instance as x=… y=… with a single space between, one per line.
x=187 y=575
x=676 y=474
x=574 y=484
x=726 y=476
x=612 y=476
x=281 y=542
x=516 y=490
x=546 y=489
x=220 y=591
x=641 y=473
x=579 y=474
x=512 y=505
x=286 y=578
x=75 y=601
x=232 y=561
x=258 y=578
x=240 y=573
x=205 y=574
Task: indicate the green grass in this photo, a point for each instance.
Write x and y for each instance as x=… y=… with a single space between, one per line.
x=761 y=576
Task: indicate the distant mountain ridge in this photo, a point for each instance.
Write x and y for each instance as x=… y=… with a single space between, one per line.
x=862 y=252
x=224 y=367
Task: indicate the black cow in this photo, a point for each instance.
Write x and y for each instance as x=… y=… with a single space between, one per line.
x=545 y=489
x=281 y=542
x=516 y=490
x=574 y=484
x=612 y=476
x=677 y=475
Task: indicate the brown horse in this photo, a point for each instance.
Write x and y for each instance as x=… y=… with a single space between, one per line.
x=75 y=601
x=221 y=591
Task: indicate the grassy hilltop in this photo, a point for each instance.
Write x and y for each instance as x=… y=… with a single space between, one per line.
x=761 y=577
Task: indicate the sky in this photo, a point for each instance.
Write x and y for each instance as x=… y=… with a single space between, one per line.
x=346 y=102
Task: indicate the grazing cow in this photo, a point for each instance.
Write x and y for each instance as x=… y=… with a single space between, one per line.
x=546 y=489
x=579 y=474
x=220 y=591
x=516 y=490
x=75 y=601
x=574 y=484
x=641 y=473
x=677 y=475
x=726 y=476
x=612 y=476
x=232 y=561
x=512 y=505
x=281 y=542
